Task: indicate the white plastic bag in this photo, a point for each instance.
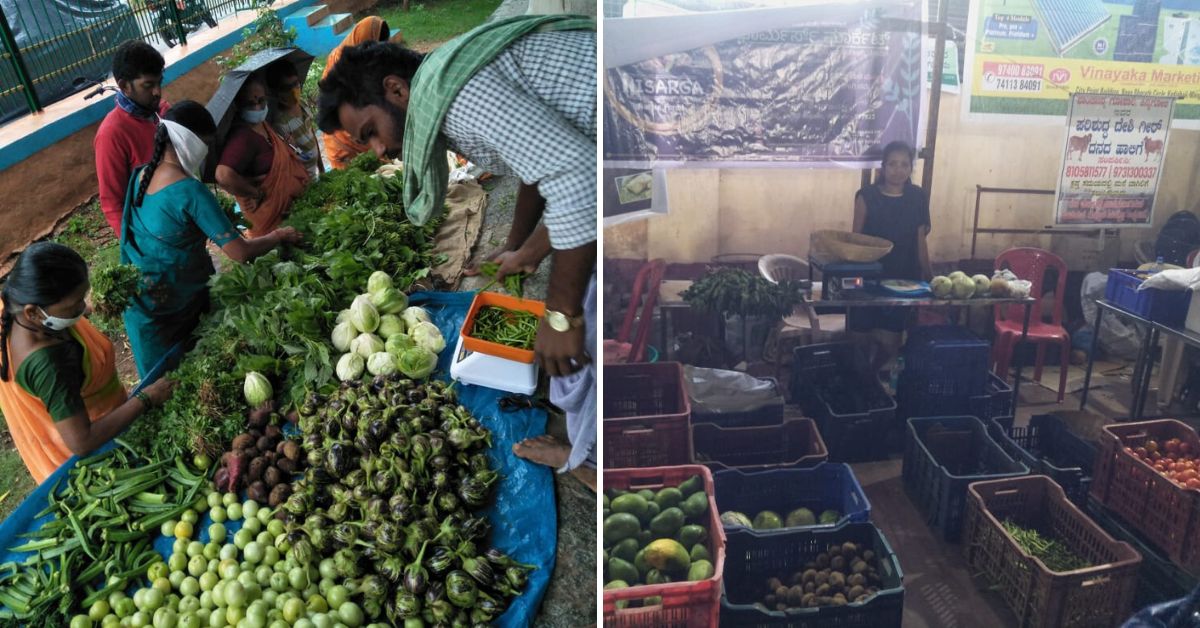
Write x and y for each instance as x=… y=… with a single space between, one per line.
x=1180 y=279
x=716 y=391
x=1116 y=338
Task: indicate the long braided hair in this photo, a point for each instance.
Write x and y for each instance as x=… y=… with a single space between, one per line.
x=189 y=114
x=44 y=275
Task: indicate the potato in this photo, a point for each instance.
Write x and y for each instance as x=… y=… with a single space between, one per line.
x=273 y=476
x=255 y=471
x=808 y=599
x=838 y=563
x=856 y=580
x=855 y=592
x=835 y=550
x=795 y=595
x=796 y=578
x=839 y=600
x=822 y=577
x=849 y=549
x=837 y=580
x=781 y=592
x=868 y=556
x=773 y=583
x=810 y=587
x=257 y=491
x=242 y=441
x=822 y=561
x=279 y=494
x=823 y=590
x=769 y=600
x=810 y=575
x=859 y=566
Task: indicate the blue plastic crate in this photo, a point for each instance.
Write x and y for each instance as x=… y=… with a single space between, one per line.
x=828 y=486
x=944 y=361
x=1048 y=447
x=852 y=434
x=751 y=559
x=1168 y=307
x=942 y=455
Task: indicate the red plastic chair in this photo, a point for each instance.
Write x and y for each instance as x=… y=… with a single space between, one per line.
x=1031 y=264
x=630 y=344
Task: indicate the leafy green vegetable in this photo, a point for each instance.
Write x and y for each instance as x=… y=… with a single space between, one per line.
x=114 y=287
x=1053 y=552
x=512 y=283
x=735 y=291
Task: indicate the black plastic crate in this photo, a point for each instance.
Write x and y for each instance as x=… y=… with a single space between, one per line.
x=750 y=559
x=1047 y=446
x=851 y=407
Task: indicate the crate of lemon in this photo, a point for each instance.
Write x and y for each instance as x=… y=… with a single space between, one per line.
x=664 y=548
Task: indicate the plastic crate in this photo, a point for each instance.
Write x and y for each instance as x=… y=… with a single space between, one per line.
x=828 y=486
x=793 y=443
x=1165 y=513
x=942 y=455
x=851 y=434
x=751 y=559
x=996 y=400
x=1168 y=307
x=1048 y=447
x=1159 y=580
x=770 y=414
x=684 y=604
x=646 y=412
x=944 y=361
x=1100 y=595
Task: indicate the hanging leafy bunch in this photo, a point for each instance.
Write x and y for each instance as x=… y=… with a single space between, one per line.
x=275 y=314
x=267 y=31
x=735 y=291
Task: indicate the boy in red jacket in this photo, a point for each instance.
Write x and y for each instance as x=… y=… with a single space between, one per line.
x=126 y=136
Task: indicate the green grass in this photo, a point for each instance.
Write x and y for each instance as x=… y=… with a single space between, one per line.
x=15 y=481
x=89 y=234
x=435 y=21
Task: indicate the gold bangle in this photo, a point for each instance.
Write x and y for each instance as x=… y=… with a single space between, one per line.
x=144 y=398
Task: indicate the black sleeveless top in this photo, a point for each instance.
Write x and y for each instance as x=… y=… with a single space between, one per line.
x=898 y=219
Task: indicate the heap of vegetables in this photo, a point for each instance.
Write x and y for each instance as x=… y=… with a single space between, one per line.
x=514 y=328
x=1055 y=554
x=382 y=335
x=396 y=470
x=734 y=291
x=113 y=288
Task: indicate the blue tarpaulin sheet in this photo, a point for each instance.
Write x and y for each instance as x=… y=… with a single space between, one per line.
x=523 y=514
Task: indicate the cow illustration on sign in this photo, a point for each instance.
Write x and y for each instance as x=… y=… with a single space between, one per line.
x=1152 y=146
x=1079 y=143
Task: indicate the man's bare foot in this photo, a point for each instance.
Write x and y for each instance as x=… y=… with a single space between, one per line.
x=550 y=451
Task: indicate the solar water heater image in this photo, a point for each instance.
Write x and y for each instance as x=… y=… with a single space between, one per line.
x=1069 y=21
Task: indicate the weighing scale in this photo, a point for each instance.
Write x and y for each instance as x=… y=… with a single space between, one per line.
x=481 y=369
x=844 y=280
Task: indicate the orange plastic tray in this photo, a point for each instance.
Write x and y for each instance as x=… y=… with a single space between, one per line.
x=485 y=299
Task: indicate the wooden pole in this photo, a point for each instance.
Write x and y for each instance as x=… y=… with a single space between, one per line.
x=935 y=99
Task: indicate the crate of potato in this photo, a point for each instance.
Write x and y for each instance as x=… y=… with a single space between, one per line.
x=1148 y=475
x=664 y=548
x=846 y=576
x=1051 y=563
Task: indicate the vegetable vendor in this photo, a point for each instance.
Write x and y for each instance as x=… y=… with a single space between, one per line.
x=59 y=389
x=516 y=96
x=288 y=116
x=340 y=148
x=169 y=218
x=257 y=166
x=125 y=138
x=896 y=210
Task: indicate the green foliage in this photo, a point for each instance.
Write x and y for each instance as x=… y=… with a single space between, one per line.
x=432 y=22
x=266 y=32
x=735 y=291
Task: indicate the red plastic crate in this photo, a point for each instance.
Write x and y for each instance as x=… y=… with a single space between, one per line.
x=684 y=604
x=1166 y=514
x=1099 y=595
x=646 y=415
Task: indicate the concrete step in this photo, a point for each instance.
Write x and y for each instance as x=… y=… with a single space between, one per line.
x=306 y=17
x=342 y=22
x=321 y=12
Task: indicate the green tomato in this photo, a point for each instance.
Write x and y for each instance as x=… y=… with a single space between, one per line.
x=246 y=577
x=197 y=566
x=212 y=550
x=270 y=597
x=229 y=499
x=206 y=601
x=200 y=505
x=242 y=538
x=202 y=462
x=250 y=509
x=218 y=514
x=163 y=586
x=81 y=621
x=317 y=603
x=228 y=569
x=278 y=582
x=110 y=621
x=350 y=614
x=208 y=580
x=235 y=593
x=183 y=530
x=153 y=598
x=229 y=551
x=190 y=516
x=325 y=585
x=253 y=552
x=337 y=596
x=168 y=528
x=265 y=539
x=216 y=533
x=293 y=610
x=140 y=619
x=214 y=499
x=176 y=578
x=216 y=619
x=253 y=591
x=177 y=562
x=157 y=570
x=190 y=586
x=190 y=620
x=271 y=556
x=98 y=610
x=264 y=515
x=328 y=569
x=165 y=618
x=253 y=525
x=321 y=620
x=256 y=615
x=304 y=622
x=234 y=614
x=234 y=511
x=275 y=527
x=125 y=607
x=189 y=603
x=277 y=622
x=218 y=595
x=298 y=578
x=195 y=548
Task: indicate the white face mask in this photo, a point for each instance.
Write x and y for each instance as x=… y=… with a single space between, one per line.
x=254 y=116
x=55 y=323
x=190 y=149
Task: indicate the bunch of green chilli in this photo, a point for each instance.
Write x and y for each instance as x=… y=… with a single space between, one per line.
x=513 y=328
x=734 y=291
x=396 y=472
x=1054 y=553
x=100 y=538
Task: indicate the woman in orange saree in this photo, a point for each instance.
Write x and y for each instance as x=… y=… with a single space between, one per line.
x=339 y=148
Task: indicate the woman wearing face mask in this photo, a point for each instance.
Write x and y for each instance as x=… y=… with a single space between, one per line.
x=257 y=166
x=896 y=210
x=288 y=116
x=169 y=218
x=59 y=389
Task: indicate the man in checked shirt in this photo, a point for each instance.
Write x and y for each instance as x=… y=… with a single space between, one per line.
x=516 y=96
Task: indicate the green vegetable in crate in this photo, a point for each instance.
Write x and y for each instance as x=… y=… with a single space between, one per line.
x=735 y=519
x=692 y=485
x=1052 y=552
x=620 y=526
x=646 y=494
x=695 y=505
x=639 y=561
x=668 y=556
x=700 y=552
x=830 y=517
x=667 y=523
x=691 y=534
x=626 y=549
x=618 y=584
x=631 y=503
x=843 y=574
x=619 y=569
x=800 y=517
x=700 y=570
x=652 y=511
x=513 y=328
x=656 y=576
x=668 y=497
x=767 y=520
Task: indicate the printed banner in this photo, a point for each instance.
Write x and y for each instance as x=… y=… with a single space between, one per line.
x=1028 y=57
x=950 y=80
x=823 y=84
x=1113 y=160
x=631 y=194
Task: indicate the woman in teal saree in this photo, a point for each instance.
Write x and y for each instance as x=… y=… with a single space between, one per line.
x=170 y=216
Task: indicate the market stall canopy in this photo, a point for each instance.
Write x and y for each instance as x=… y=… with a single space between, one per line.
x=223 y=105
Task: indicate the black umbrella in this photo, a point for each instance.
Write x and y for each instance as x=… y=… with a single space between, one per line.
x=223 y=105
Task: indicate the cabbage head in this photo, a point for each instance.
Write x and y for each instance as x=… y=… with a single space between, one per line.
x=417 y=362
x=413 y=315
x=378 y=281
x=366 y=344
x=390 y=325
x=343 y=333
x=389 y=301
x=344 y=317
x=429 y=336
x=257 y=389
x=381 y=363
x=350 y=367
x=363 y=314
x=396 y=345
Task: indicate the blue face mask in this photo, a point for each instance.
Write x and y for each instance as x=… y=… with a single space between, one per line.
x=255 y=116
